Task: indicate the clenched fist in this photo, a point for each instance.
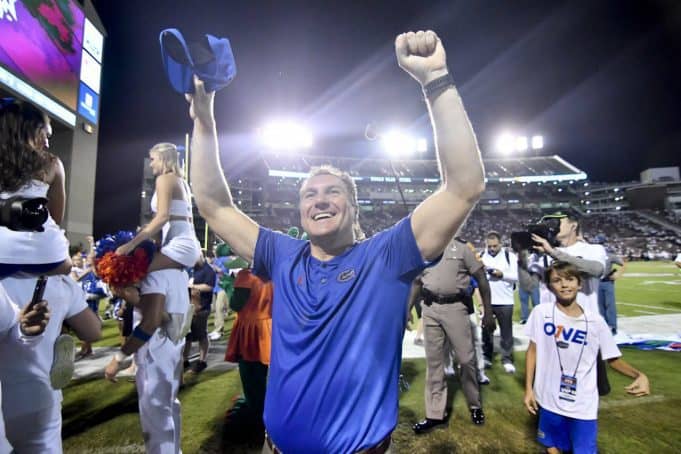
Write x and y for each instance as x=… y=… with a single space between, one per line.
x=421 y=55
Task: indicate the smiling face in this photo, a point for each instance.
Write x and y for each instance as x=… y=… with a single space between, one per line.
x=156 y=164
x=564 y=285
x=326 y=208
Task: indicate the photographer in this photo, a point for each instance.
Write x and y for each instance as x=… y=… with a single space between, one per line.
x=502 y=271
x=589 y=259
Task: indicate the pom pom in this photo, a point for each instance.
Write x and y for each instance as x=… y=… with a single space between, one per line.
x=122 y=270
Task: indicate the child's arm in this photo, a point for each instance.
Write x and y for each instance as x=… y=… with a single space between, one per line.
x=640 y=386
x=530 y=365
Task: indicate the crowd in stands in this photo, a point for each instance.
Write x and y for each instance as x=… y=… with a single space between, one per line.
x=626 y=233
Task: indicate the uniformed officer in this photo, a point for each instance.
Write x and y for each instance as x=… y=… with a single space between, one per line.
x=447 y=305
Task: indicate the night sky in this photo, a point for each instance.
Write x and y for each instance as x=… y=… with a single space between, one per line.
x=601 y=80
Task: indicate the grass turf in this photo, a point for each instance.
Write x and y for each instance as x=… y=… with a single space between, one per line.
x=102 y=417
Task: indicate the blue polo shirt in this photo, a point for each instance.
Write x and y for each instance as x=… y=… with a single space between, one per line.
x=337 y=330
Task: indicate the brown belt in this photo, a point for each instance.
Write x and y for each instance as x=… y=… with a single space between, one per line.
x=380 y=448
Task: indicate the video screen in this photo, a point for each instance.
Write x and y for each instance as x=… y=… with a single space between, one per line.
x=41 y=42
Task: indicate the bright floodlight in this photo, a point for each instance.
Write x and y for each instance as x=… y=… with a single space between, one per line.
x=398 y=143
x=285 y=135
x=506 y=143
x=537 y=142
x=521 y=143
x=422 y=145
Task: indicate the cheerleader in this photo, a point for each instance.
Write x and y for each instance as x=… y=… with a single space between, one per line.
x=29 y=170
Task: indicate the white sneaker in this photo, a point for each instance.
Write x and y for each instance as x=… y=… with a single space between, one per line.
x=483 y=379
x=63 y=361
x=509 y=368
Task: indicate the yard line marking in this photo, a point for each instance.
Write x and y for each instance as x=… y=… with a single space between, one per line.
x=648 y=274
x=633 y=402
x=647 y=306
x=646 y=312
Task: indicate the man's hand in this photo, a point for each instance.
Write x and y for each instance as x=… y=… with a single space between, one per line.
x=639 y=387
x=33 y=322
x=543 y=245
x=130 y=294
x=421 y=55
x=112 y=370
x=488 y=322
x=531 y=402
x=201 y=103
x=496 y=273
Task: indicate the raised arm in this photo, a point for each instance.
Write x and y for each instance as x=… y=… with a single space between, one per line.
x=211 y=191
x=594 y=268
x=422 y=55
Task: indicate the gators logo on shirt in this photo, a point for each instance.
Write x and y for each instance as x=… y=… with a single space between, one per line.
x=346 y=275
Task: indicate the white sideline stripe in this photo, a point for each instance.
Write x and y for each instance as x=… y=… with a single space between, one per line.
x=633 y=401
x=647 y=307
x=646 y=312
x=648 y=274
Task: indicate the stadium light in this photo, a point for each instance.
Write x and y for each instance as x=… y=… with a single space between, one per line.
x=285 y=135
x=398 y=143
x=521 y=143
x=537 y=142
x=506 y=143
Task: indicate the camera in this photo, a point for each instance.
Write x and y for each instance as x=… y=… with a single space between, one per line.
x=23 y=214
x=547 y=229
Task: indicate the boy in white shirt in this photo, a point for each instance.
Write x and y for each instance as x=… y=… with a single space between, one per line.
x=562 y=354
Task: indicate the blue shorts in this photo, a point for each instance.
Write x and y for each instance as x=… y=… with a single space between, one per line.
x=567 y=434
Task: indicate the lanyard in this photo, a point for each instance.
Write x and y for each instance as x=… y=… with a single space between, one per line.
x=586 y=335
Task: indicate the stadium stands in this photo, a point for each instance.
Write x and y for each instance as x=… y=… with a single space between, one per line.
x=519 y=191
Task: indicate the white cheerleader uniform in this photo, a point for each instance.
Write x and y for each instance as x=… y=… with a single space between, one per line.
x=179 y=241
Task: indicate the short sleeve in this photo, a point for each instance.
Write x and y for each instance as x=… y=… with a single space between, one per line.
x=606 y=341
x=77 y=298
x=532 y=326
x=397 y=247
x=272 y=248
x=471 y=258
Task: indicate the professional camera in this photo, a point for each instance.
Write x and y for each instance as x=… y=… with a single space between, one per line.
x=547 y=228
x=23 y=214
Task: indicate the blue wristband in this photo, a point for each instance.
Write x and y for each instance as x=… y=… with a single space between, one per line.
x=141 y=335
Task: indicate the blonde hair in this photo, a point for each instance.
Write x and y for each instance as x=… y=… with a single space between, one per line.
x=169 y=156
x=350 y=186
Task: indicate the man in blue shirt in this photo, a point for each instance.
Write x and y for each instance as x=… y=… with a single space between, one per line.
x=339 y=304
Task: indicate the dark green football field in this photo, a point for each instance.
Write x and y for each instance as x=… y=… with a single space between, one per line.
x=101 y=417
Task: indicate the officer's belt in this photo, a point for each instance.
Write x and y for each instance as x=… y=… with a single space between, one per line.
x=430 y=297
